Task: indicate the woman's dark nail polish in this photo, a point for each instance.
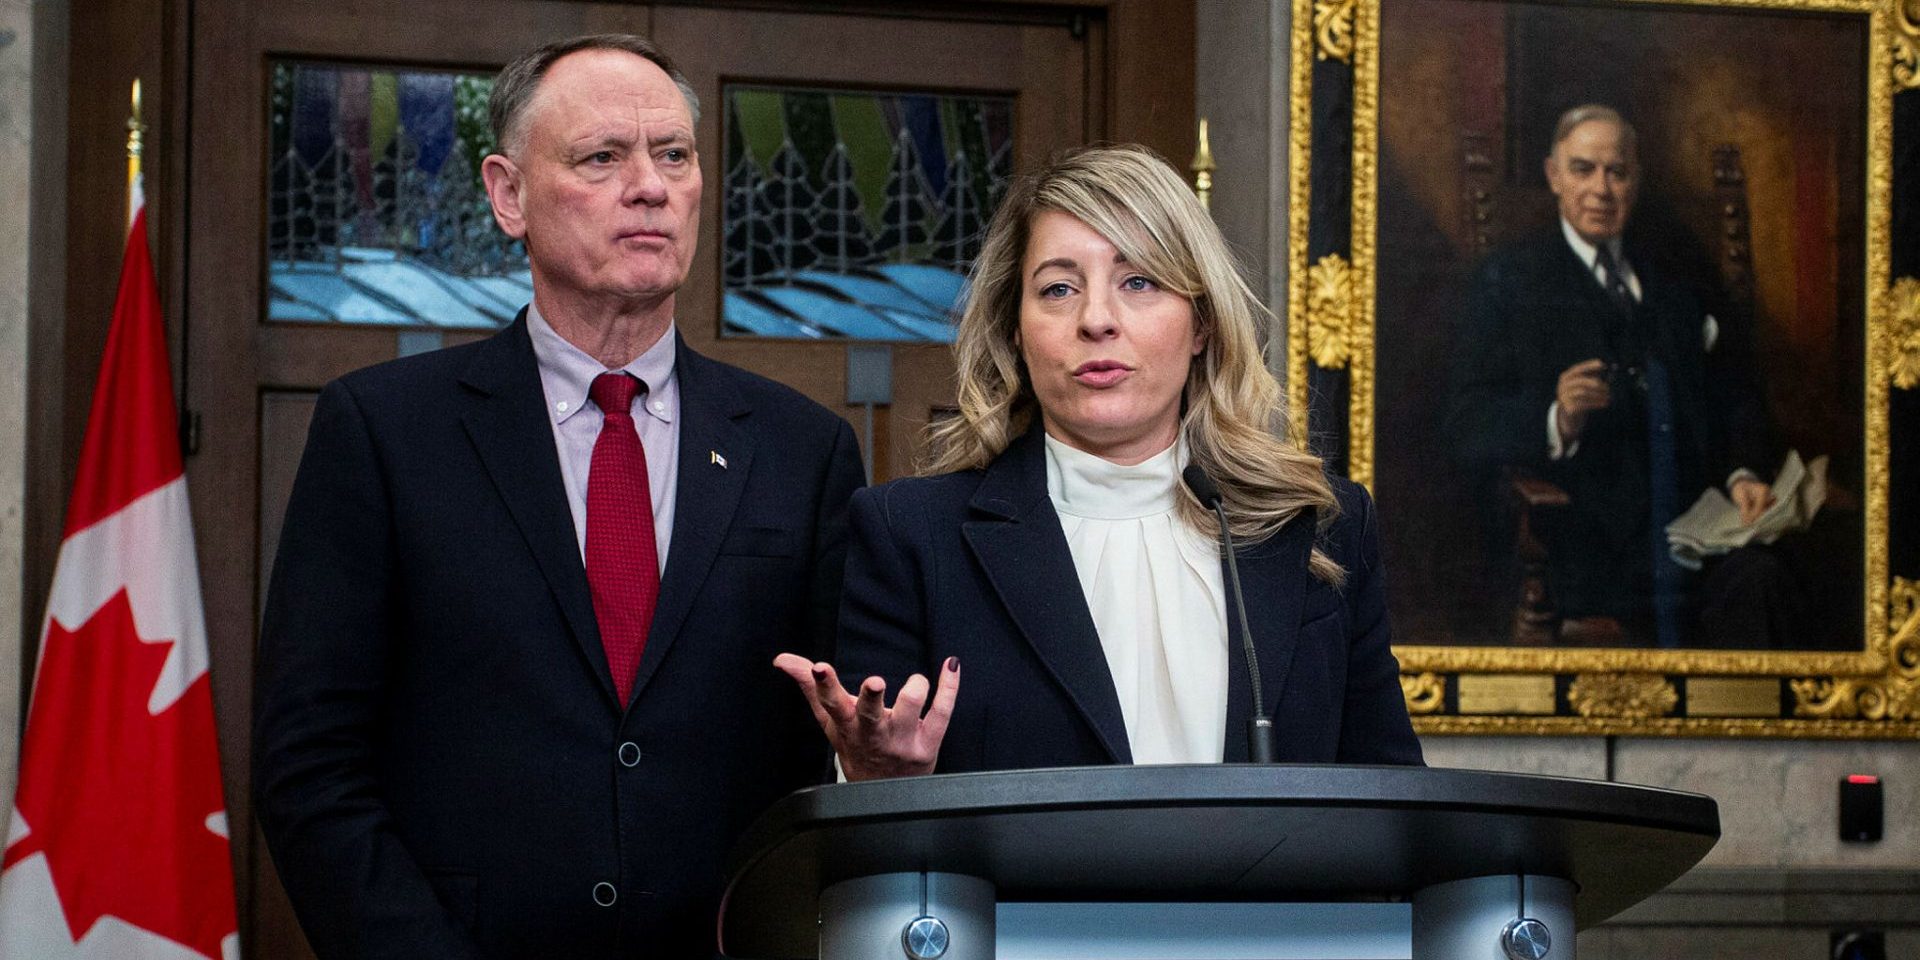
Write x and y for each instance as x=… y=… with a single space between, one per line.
x=953 y=664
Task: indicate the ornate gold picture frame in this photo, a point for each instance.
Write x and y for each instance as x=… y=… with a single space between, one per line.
x=1866 y=689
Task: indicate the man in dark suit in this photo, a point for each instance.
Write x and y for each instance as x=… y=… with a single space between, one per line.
x=1604 y=364
x=513 y=692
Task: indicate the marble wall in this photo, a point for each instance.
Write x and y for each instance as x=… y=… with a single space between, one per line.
x=16 y=142
x=1779 y=803
x=1780 y=882
x=1779 y=800
x=1242 y=90
x=32 y=194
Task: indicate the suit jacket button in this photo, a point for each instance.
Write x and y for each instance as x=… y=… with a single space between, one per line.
x=629 y=754
x=604 y=894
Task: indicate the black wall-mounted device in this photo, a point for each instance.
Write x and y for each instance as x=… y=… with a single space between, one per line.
x=1861 y=808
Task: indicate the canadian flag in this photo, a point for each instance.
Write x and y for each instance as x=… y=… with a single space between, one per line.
x=117 y=845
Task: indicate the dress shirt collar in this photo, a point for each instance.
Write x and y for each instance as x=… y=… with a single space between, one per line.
x=567 y=372
x=1587 y=252
x=1084 y=485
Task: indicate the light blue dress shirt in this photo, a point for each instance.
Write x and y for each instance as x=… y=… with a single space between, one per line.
x=566 y=374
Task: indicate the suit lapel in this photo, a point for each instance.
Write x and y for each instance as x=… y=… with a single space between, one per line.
x=1019 y=544
x=507 y=425
x=705 y=498
x=1274 y=577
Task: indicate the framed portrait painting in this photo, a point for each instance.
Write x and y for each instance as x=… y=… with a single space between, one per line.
x=1606 y=304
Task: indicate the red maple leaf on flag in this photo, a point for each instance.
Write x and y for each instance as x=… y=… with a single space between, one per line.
x=120 y=802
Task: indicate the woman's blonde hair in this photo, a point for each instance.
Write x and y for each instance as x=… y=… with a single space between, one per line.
x=1234 y=414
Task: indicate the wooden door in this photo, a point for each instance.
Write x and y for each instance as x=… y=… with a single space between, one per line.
x=253 y=379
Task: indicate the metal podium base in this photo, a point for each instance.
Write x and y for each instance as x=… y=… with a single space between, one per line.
x=949 y=916
x=908 y=916
x=1494 y=918
x=946 y=916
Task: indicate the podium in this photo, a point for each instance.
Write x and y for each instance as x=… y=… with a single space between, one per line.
x=1204 y=862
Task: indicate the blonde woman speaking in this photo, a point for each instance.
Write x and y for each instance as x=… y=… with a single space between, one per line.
x=1051 y=552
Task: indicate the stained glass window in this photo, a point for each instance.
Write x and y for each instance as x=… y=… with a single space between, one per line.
x=375 y=211
x=846 y=214
x=853 y=214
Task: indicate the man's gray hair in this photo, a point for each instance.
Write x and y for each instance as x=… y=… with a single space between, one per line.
x=513 y=90
x=1589 y=112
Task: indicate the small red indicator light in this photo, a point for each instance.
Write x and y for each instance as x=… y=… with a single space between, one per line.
x=1862 y=778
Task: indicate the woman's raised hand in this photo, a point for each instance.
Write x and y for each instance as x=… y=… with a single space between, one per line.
x=872 y=739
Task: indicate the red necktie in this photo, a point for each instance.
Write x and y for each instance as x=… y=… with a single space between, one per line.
x=623 y=566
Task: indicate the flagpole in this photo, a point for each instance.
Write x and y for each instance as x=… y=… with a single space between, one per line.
x=1203 y=168
x=136 y=131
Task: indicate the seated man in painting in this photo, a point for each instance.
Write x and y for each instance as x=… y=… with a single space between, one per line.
x=1593 y=358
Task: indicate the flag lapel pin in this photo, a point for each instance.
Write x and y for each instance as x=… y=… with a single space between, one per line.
x=717 y=458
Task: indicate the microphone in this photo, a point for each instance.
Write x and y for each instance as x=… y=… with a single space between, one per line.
x=1260 y=748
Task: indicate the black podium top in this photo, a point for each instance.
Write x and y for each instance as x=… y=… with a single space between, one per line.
x=1234 y=832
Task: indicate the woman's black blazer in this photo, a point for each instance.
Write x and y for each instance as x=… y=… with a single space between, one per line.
x=974 y=565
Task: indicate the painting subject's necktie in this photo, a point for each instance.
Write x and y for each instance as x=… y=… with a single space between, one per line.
x=1613 y=280
x=623 y=567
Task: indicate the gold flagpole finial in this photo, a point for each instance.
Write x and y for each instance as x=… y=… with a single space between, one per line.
x=1202 y=167
x=136 y=132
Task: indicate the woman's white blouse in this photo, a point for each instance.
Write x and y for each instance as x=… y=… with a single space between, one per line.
x=1155 y=590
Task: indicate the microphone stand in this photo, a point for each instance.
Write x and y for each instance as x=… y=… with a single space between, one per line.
x=1260 y=746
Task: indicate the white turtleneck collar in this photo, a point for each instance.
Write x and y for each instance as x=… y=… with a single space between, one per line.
x=1095 y=488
